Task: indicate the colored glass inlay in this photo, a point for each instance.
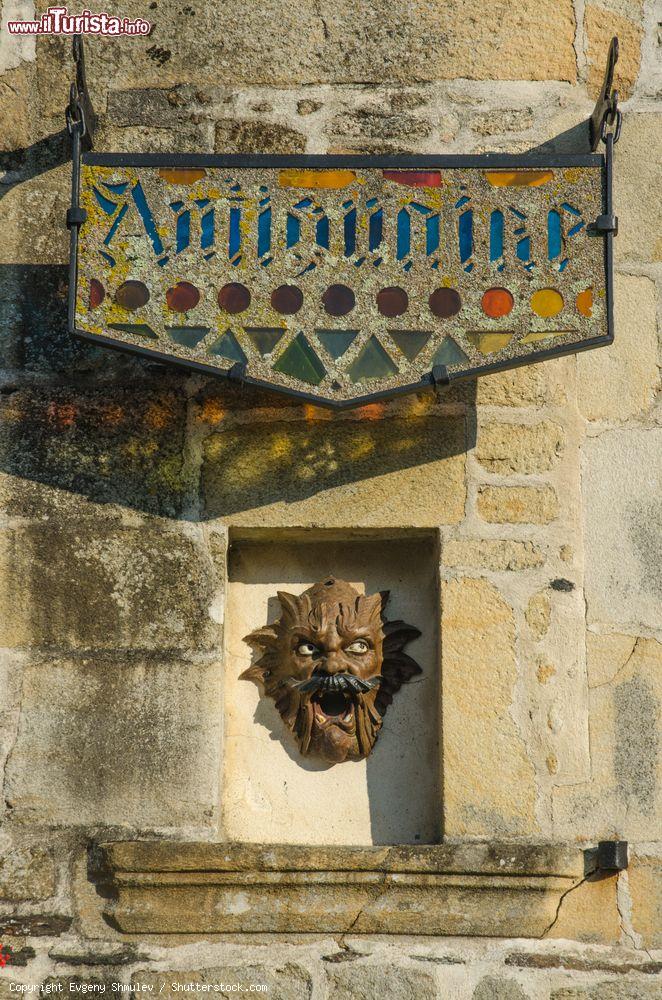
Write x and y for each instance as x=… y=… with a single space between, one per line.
x=518 y=178
x=410 y=342
x=336 y=342
x=287 y=299
x=546 y=302
x=182 y=297
x=234 y=298
x=228 y=347
x=445 y=302
x=414 y=178
x=132 y=295
x=392 y=301
x=497 y=302
x=265 y=338
x=181 y=175
x=449 y=353
x=97 y=293
x=300 y=361
x=372 y=362
x=338 y=300
x=189 y=336
x=585 y=302
x=329 y=179
x=489 y=343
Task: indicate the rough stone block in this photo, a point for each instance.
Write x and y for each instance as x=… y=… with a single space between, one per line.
x=623 y=797
x=95 y=585
x=111 y=445
x=526 y=386
x=493 y=554
x=601 y=25
x=589 y=913
x=632 y=988
x=26 y=873
x=645 y=886
x=498 y=988
x=524 y=448
x=104 y=742
x=622 y=488
x=478 y=680
x=257 y=137
x=337 y=472
x=517 y=504
x=638 y=176
x=619 y=381
x=286 y=981
x=375 y=982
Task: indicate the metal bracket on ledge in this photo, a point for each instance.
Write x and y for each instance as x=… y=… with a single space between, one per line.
x=606 y=115
x=612 y=855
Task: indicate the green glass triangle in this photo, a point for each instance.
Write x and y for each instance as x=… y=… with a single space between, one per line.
x=336 y=342
x=372 y=362
x=140 y=329
x=410 y=342
x=229 y=347
x=264 y=338
x=188 y=336
x=448 y=353
x=300 y=361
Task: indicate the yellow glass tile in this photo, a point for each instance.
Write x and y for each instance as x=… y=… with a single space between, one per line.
x=181 y=175
x=490 y=343
x=316 y=178
x=547 y=302
x=518 y=178
x=585 y=302
x=531 y=338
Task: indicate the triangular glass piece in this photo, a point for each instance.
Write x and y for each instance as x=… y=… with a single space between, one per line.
x=229 y=347
x=336 y=342
x=448 y=353
x=188 y=336
x=300 y=361
x=372 y=362
x=265 y=338
x=140 y=329
x=410 y=342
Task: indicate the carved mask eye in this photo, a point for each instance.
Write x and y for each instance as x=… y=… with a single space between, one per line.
x=358 y=646
x=307 y=649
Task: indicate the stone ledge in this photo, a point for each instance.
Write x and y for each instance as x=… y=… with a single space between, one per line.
x=486 y=889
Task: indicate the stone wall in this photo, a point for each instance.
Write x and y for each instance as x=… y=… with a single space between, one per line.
x=119 y=483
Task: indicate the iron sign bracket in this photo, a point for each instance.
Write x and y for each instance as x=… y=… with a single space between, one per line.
x=604 y=126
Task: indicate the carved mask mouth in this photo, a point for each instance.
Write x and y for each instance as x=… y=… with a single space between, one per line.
x=333 y=707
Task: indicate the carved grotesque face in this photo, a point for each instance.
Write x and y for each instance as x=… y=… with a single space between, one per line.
x=332 y=664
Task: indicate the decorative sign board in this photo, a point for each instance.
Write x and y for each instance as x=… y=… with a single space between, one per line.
x=344 y=280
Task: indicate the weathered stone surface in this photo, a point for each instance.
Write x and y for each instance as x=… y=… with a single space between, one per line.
x=645 y=886
x=639 y=172
x=589 y=913
x=538 y=614
x=257 y=137
x=124 y=742
x=103 y=586
x=620 y=961
x=111 y=445
x=492 y=554
x=286 y=981
x=624 y=794
x=498 y=988
x=276 y=43
x=619 y=381
x=478 y=680
x=374 y=982
x=15 y=92
x=634 y=988
x=531 y=384
x=333 y=472
x=601 y=25
x=510 y=120
x=525 y=448
x=371 y=124
x=606 y=655
x=26 y=873
x=517 y=504
x=622 y=487
x=33 y=925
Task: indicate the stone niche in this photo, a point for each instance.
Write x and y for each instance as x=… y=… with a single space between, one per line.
x=359 y=846
x=273 y=794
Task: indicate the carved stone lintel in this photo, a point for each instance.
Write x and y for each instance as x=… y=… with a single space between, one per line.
x=332 y=663
x=503 y=890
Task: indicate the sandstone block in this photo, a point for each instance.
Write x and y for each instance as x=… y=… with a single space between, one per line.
x=632 y=988
x=619 y=381
x=26 y=873
x=639 y=173
x=375 y=982
x=622 y=486
x=98 y=585
x=492 y=554
x=478 y=678
x=498 y=988
x=337 y=472
x=257 y=137
x=590 y=913
x=531 y=384
x=538 y=614
x=645 y=886
x=524 y=448
x=517 y=504
x=103 y=741
x=601 y=25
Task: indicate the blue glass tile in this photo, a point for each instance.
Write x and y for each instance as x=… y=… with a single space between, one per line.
x=465 y=234
x=496 y=235
x=553 y=234
x=188 y=336
x=336 y=342
x=375 y=228
x=229 y=347
x=403 y=234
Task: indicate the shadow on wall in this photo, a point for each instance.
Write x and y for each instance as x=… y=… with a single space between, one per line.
x=113 y=428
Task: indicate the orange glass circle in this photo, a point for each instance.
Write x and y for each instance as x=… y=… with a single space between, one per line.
x=497 y=302
x=585 y=302
x=546 y=302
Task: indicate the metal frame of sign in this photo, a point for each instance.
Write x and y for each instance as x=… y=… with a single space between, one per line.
x=604 y=126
